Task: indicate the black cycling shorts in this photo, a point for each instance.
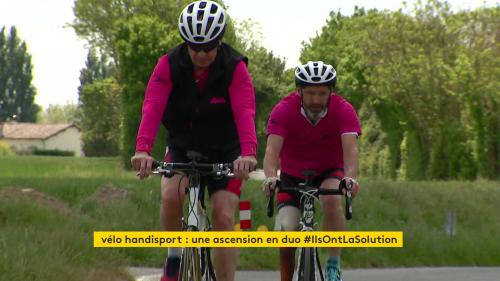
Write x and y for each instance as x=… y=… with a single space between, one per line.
x=292 y=198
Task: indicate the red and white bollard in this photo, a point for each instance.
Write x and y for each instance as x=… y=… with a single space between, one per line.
x=245 y=215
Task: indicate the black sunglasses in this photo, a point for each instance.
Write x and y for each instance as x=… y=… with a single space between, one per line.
x=204 y=47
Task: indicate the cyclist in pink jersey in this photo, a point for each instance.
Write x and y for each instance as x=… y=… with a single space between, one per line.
x=203 y=94
x=312 y=129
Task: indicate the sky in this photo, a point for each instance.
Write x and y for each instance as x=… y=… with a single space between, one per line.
x=58 y=54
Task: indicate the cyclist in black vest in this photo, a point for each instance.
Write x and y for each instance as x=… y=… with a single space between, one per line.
x=203 y=94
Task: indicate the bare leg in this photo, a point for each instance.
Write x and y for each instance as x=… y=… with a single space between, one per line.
x=224 y=204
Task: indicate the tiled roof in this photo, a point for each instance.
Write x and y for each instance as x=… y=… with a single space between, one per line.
x=15 y=130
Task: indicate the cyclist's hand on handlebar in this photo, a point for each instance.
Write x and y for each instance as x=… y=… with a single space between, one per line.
x=269 y=185
x=142 y=163
x=243 y=166
x=353 y=185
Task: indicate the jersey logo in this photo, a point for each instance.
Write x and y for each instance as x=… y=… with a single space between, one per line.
x=217 y=100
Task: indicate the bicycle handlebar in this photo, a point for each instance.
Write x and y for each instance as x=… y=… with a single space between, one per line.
x=318 y=191
x=216 y=169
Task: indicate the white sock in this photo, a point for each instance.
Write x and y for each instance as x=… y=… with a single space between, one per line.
x=174 y=252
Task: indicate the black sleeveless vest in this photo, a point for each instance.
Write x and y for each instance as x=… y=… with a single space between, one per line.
x=202 y=121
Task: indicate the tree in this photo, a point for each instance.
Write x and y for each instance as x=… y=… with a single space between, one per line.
x=430 y=78
x=140 y=42
x=99 y=109
x=56 y=113
x=98 y=21
x=17 y=94
x=101 y=118
x=96 y=68
x=477 y=85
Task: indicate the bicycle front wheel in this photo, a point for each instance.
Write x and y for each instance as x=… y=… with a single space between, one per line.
x=307 y=267
x=208 y=273
x=190 y=265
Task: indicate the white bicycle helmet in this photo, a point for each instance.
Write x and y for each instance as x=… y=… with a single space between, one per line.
x=315 y=73
x=202 y=22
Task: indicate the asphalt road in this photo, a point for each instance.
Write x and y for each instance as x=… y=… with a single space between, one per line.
x=386 y=274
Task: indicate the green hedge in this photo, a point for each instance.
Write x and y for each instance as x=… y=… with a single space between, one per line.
x=53 y=152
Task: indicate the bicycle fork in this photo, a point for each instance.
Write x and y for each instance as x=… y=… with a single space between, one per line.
x=196 y=214
x=309 y=266
x=197 y=259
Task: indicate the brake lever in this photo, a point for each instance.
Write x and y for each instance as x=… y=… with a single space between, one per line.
x=348 y=197
x=270 y=202
x=158 y=168
x=222 y=170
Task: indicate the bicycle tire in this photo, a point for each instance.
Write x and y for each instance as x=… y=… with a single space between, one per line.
x=197 y=266
x=204 y=265
x=208 y=273
x=305 y=269
x=184 y=265
x=318 y=263
x=299 y=272
x=309 y=265
x=190 y=265
x=211 y=269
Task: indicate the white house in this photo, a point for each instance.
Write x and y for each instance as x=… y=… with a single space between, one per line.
x=28 y=136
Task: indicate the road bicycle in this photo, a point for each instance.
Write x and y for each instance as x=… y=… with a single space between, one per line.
x=308 y=266
x=195 y=263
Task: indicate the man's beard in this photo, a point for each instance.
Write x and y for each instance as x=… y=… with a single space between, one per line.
x=314 y=116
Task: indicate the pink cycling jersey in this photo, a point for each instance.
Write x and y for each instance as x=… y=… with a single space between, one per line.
x=308 y=147
x=241 y=95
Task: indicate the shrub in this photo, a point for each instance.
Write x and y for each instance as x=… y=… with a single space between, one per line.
x=5 y=149
x=53 y=152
